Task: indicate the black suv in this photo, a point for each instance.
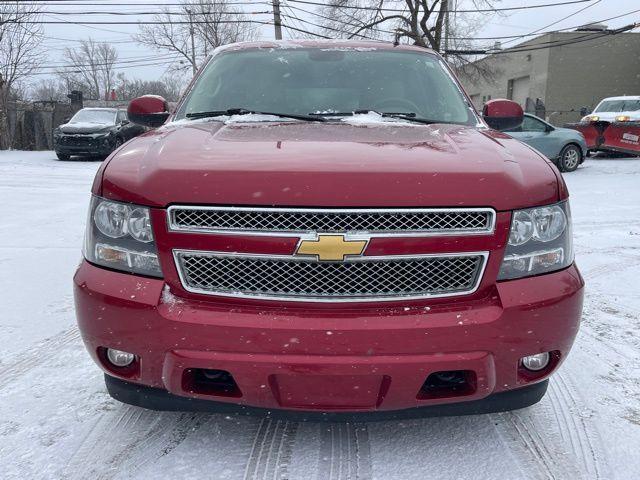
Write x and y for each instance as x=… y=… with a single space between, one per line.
x=94 y=132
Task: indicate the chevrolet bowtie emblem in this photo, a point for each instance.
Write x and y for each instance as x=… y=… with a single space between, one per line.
x=331 y=247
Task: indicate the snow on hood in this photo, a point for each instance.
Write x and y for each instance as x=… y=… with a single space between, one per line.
x=375 y=118
x=369 y=118
x=228 y=119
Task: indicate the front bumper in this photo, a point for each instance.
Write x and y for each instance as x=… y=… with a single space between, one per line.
x=305 y=357
x=93 y=148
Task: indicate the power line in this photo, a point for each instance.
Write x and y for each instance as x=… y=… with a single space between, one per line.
x=310 y=2
x=150 y=22
x=551 y=44
x=475 y=10
x=124 y=61
x=538 y=33
x=159 y=12
x=563 y=18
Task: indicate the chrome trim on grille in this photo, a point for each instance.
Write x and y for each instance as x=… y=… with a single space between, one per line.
x=178 y=254
x=487 y=229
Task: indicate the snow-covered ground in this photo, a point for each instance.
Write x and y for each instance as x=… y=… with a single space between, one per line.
x=57 y=422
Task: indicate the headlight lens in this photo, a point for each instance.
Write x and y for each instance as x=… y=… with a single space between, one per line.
x=120 y=236
x=111 y=218
x=139 y=225
x=540 y=241
x=549 y=223
x=521 y=228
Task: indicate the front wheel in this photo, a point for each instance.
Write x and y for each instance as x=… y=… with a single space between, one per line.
x=570 y=158
x=63 y=156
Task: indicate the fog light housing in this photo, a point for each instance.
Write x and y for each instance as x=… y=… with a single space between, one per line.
x=119 y=358
x=536 y=362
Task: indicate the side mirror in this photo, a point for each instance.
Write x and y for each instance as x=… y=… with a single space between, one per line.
x=66 y=119
x=125 y=122
x=148 y=110
x=501 y=114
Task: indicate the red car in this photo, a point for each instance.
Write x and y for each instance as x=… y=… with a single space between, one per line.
x=329 y=227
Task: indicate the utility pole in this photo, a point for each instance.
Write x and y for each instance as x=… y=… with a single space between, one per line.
x=445 y=5
x=277 y=21
x=193 y=42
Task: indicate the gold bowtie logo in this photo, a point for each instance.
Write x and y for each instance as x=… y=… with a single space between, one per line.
x=331 y=247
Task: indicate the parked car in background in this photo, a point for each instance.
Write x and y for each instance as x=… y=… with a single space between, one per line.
x=564 y=146
x=94 y=132
x=612 y=109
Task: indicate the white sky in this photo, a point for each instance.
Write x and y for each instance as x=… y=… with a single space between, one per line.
x=510 y=23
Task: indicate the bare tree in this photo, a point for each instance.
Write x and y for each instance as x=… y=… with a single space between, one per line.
x=49 y=89
x=168 y=87
x=90 y=67
x=214 y=23
x=427 y=23
x=19 y=54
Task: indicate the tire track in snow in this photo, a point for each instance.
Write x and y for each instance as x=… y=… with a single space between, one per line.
x=270 y=454
x=526 y=435
x=123 y=441
x=345 y=452
x=40 y=353
x=610 y=268
x=555 y=440
x=573 y=426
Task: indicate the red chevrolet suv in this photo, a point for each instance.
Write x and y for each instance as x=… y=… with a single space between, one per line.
x=330 y=227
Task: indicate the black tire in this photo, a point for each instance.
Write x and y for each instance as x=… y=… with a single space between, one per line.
x=63 y=156
x=570 y=158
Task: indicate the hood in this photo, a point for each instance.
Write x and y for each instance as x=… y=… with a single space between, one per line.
x=84 y=127
x=328 y=165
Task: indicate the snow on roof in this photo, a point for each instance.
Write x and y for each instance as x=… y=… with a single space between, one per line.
x=623 y=97
x=320 y=43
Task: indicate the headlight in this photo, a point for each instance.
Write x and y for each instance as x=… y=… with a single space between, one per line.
x=590 y=118
x=540 y=241
x=120 y=236
x=623 y=118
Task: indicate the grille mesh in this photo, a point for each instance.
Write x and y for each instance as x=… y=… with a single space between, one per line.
x=327 y=221
x=278 y=277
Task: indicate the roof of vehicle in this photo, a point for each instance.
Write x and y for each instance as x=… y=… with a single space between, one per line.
x=623 y=97
x=363 y=45
x=106 y=109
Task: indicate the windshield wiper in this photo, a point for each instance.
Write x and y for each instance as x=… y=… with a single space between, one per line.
x=244 y=111
x=359 y=112
x=409 y=116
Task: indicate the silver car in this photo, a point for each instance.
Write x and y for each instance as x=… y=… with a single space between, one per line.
x=565 y=147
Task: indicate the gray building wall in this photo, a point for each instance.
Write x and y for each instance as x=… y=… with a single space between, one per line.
x=582 y=74
x=502 y=68
x=566 y=78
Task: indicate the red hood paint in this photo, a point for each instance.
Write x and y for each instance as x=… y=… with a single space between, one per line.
x=328 y=165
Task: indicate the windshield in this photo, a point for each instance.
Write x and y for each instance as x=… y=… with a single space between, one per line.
x=317 y=81
x=106 y=117
x=619 y=106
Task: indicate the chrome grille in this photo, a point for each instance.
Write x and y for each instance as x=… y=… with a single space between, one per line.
x=357 y=279
x=292 y=220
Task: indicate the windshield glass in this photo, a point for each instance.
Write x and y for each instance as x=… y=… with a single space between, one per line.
x=106 y=117
x=619 y=106
x=334 y=80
